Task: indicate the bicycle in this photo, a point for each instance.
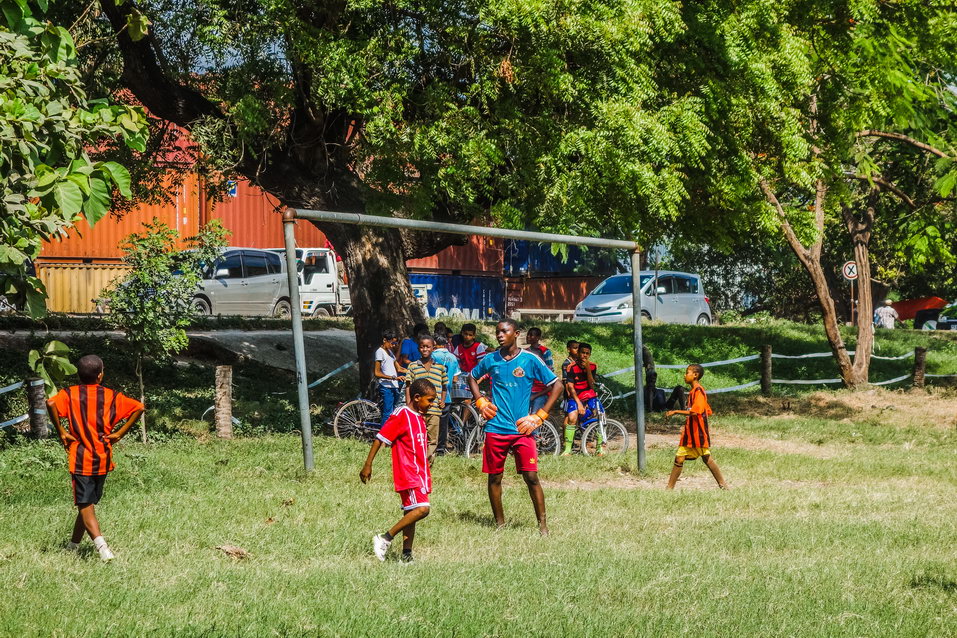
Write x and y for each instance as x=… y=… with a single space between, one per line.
x=546 y=439
x=599 y=435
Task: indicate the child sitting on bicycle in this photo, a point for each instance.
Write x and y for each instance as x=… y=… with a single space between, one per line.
x=582 y=403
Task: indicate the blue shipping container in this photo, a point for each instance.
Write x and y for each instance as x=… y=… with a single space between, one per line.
x=460 y=296
x=532 y=258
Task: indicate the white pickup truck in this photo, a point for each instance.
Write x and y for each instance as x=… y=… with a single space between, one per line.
x=322 y=291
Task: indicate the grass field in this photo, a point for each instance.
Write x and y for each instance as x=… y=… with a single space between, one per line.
x=840 y=522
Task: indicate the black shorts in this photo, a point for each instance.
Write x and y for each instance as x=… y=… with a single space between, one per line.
x=87 y=490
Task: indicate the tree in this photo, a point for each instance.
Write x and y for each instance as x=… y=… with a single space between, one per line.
x=521 y=115
x=809 y=103
x=152 y=304
x=47 y=127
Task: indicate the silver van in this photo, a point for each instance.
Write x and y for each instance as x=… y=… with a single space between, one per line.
x=669 y=296
x=244 y=281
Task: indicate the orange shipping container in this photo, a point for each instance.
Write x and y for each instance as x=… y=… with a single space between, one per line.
x=481 y=256
x=75 y=287
x=553 y=293
x=255 y=219
x=103 y=240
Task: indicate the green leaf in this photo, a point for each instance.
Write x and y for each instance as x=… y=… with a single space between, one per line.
x=36 y=302
x=57 y=348
x=68 y=197
x=945 y=185
x=33 y=358
x=80 y=180
x=137 y=25
x=97 y=205
x=120 y=176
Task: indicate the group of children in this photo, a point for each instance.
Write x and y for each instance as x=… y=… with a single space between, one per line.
x=523 y=389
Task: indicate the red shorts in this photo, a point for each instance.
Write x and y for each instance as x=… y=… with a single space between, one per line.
x=497 y=447
x=414 y=497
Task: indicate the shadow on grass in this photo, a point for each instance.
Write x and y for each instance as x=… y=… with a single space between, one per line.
x=934 y=581
x=472 y=518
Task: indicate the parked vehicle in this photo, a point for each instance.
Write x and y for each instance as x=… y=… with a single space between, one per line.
x=244 y=281
x=321 y=289
x=941 y=319
x=672 y=297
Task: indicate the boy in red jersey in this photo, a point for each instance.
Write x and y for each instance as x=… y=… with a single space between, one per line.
x=406 y=433
x=582 y=403
x=539 y=390
x=695 y=436
x=93 y=412
x=468 y=349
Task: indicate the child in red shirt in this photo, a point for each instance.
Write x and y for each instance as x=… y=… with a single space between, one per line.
x=93 y=412
x=695 y=436
x=406 y=433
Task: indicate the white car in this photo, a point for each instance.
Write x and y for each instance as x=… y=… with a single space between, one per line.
x=244 y=281
x=669 y=296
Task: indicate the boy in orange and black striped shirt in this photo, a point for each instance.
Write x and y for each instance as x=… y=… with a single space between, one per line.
x=92 y=412
x=695 y=436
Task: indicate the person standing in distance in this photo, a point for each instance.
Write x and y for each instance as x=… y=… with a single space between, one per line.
x=885 y=316
x=509 y=426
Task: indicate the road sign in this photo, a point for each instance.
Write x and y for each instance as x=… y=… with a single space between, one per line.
x=849 y=270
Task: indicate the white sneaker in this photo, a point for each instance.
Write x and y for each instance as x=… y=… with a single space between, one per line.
x=105 y=554
x=380 y=546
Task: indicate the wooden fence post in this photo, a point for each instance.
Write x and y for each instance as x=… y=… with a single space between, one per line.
x=920 y=366
x=224 y=402
x=766 y=370
x=37 y=398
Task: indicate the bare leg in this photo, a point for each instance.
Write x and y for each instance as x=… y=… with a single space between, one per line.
x=88 y=516
x=78 y=528
x=675 y=472
x=715 y=472
x=409 y=536
x=495 y=498
x=537 y=495
x=409 y=518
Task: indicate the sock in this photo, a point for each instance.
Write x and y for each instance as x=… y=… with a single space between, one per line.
x=569 y=438
x=99 y=542
x=387 y=536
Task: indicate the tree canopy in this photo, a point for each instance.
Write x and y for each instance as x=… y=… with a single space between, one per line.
x=48 y=126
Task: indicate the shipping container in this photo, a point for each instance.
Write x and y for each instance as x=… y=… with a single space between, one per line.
x=548 y=293
x=255 y=219
x=103 y=240
x=76 y=287
x=481 y=256
x=529 y=259
x=460 y=296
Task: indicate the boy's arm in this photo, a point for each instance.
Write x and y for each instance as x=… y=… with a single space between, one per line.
x=366 y=472
x=65 y=436
x=116 y=435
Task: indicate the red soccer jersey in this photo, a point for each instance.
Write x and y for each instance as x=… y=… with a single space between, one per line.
x=579 y=378
x=696 y=433
x=469 y=356
x=406 y=433
x=545 y=355
x=93 y=411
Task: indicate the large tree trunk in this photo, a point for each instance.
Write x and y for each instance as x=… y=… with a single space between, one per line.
x=860 y=232
x=379 y=285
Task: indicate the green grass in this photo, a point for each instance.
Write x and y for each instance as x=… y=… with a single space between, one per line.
x=855 y=538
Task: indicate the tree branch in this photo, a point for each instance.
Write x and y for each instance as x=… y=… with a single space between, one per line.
x=789 y=233
x=880 y=181
x=904 y=138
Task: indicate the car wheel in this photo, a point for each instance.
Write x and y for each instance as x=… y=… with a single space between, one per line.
x=703 y=320
x=283 y=310
x=646 y=315
x=201 y=307
x=321 y=313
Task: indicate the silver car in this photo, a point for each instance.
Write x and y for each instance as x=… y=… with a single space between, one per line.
x=245 y=281
x=669 y=296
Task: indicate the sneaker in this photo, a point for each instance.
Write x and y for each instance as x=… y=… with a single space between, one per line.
x=105 y=554
x=406 y=558
x=380 y=546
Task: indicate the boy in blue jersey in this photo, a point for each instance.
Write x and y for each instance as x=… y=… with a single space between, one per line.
x=509 y=426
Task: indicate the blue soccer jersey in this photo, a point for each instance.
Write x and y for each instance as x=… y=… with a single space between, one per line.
x=512 y=381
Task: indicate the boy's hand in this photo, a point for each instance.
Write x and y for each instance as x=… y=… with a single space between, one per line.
x=528 y=424
x=581 y=406
x=113 y=437
x=487 y=408
x=365 y=473
x=68 y=438
x=671 y=413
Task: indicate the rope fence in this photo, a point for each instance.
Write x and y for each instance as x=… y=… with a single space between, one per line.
x=36 y=398
x=766 y=380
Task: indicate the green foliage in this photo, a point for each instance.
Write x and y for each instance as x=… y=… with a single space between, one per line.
x=48 y=127
x=52 y=364
x=152 y=303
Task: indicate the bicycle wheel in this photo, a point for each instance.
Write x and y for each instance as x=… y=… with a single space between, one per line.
x=474 y=443
x=611 y=434
x=547 y=439
x=356 y=419
x=456 y=438
x=468 y=415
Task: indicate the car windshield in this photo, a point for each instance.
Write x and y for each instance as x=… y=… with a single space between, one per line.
x=620 y=285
